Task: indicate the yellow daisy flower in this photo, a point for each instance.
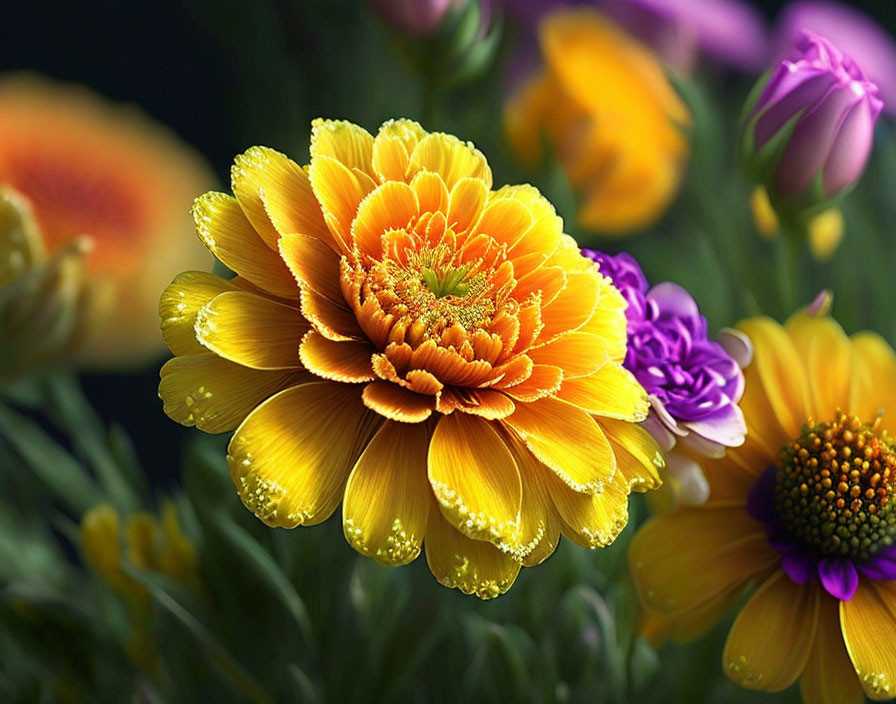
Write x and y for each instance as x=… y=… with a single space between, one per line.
x=613 y=119
x=105 y=174
x=804 y=510
x=404 y=340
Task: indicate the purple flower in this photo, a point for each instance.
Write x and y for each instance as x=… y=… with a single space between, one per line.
x=417 y=17
x=729 y=31
x=694 y=383
x=853 y=32
x=809 y=135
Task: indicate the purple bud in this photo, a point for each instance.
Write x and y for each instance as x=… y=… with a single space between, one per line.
x=831 y=108
x=417 y=17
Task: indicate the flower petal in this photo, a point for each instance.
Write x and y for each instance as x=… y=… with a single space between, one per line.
x=868 y=621
x=387 y=498
x=576 y=353
x=313 y=264
x=567 y=440
x=638 y=457
x=392 y=149
x=824 y=349
x=451 y=158
x=275 y=194
x=475 y=479
x=770 y=641
x=473 y=566
x=339 y=192
x=829 y=677
x=591 y=521
x=726 y=549
x=180 y=304
x=292 y=455
x=251 y=330
x=572 y=307
x=343 y=141
x=611 y=392
x=397 y=403
x=391 y=206
x=345 y=361
x=214 y=394
x=224 y=229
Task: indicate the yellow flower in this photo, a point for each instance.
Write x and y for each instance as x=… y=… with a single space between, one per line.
x=611 y=116
x=92 y=169
x=804 y=510
x=415 y=345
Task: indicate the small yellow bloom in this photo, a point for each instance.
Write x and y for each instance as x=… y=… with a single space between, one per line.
x=825 y=229
x=108 y=174
x=435 y=355
x=804 y=511
x=613 y=119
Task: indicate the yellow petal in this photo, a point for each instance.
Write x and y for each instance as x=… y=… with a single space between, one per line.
x=829 y=677
x=473 y=566
x=868 y=621
x=504 y=220
x=214 y=394
x=387 y=498
x=539 y=523
x=397 y=403
x=339 y=192
x=432 y=195
x=224 y=229
x=452 y=159
x=275 y=194
x=101 y=541
x=292 y=455
x=313 y=264
x=346 y=361
x=591 y=521
x=576 y=353
x=825 y=233
x=726 y=549
x=638 y=457
x=392 y=149
x=572 y=307
x=873 y=388
x=611 y=392
x=466 y=203
x=567 y=440
x=775 y=382
x=770 y=641
x=824 y=350
x=475 y=479
x=391 y=206
x=180 y=304
x=343 y=141
x=251 y=330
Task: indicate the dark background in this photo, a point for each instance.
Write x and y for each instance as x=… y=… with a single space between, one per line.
x=224 y=75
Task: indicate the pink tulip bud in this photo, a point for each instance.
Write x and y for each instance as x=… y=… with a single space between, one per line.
x=417 y=17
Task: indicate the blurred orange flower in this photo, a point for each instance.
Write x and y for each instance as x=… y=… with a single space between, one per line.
x=605 y=106
x=91 y=168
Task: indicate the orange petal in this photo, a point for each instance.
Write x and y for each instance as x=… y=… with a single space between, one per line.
x=549 y=281
x=432 y=195
x=397 y=403
x=770 y=641
x=466 y=203
x=223 y=228
x=567 y=440
x=250 y=330
x=313 y=264
x=868 y=621
x=333 y=321
x=181 y=302
x=387 y=498
x=505 y=221
x=291 y=473
x=829 y=677
x=473 y=566
x=726 y=550
x=214 y=394
x=475 y=480
x=543 y=380
x=391 y=206
x=340 y=361
x=339 y=192
x=576 y=353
